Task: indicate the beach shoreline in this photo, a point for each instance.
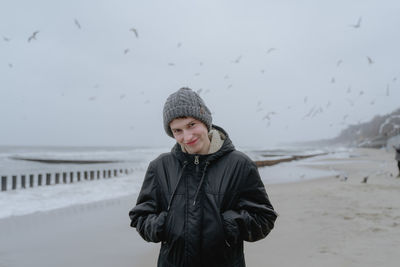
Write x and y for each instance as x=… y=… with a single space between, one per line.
x=329 y=221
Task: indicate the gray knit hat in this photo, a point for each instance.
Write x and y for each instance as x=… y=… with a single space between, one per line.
x=185 y=103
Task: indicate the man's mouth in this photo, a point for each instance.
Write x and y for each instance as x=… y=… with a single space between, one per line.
x=192 y=142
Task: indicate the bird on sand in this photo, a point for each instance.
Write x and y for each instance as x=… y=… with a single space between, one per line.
x=135 y=32
x=357 y=25
x=77 y=24
x=33 y=36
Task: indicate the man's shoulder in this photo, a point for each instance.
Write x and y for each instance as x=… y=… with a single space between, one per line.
x=240 y=156
x=162 y=157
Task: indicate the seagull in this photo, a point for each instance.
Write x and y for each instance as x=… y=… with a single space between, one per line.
x=365 y=180
x=77 y=23
x=356 y=26
x=229 y=86
x=237 y=60
x=126 y=51
x=171 y=64
x=370 y=61
x=271 y=49
x=33 y=36
x=135 y=32
x=339 y=62
x=6 y=39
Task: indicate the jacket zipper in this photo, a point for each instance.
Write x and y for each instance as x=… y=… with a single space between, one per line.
x=196 y=162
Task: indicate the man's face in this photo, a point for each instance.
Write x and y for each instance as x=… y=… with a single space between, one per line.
x=192 y=134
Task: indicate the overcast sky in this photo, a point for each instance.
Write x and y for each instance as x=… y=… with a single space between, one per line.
x=270 y=71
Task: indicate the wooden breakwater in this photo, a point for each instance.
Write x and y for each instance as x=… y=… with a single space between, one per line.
x=263 y=163
x=24 y=181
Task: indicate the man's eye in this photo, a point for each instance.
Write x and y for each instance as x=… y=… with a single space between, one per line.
x=192 y=124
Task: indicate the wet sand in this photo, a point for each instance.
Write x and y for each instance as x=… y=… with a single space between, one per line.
x=323 y=222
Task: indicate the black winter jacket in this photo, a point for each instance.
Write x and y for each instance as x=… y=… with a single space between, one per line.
x=202 y=207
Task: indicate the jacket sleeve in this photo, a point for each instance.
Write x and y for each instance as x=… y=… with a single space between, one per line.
x=253 y=216
x=146 y=216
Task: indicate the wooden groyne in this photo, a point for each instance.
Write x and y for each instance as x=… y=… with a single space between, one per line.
x=263 y=163
x=24 y=181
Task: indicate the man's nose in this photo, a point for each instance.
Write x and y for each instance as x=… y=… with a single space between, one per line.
x=187 y=136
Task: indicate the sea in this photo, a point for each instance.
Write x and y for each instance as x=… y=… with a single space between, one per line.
x=130 y=164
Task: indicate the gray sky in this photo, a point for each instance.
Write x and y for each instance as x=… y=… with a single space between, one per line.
x=270 y=71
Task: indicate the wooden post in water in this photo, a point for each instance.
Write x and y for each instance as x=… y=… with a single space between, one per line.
x=115 y=173
x=39 y=179
x=86 y=175
x=3 y=183
x=57 y=178
x=64 y=177
x=48 y=178
x=71 y=177
x=91 y=175
x=78 y=174
x=98 y=174
x=14 y=182
x=104 y=174
x=23 y=181
x=30 y=180
x=109 y=173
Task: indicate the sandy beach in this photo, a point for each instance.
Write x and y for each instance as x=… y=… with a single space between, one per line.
x=330 y=221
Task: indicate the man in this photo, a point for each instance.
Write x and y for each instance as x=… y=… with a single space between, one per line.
x=397 y=149
x=204 y=198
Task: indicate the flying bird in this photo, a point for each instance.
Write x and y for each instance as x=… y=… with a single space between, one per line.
x=237 y=60
x=33 y=36
x=126 y=51
x=179 y=44
x=370 y=61
x=229 y=86
x=339 y=62
x=6 y=39
x=77 y=24
x=122 y=96
x=333 y=80
x=171 y=64
x=10 y=65
x=92 y=98
x=135 y=32
x=271 y=50
x=357 y=25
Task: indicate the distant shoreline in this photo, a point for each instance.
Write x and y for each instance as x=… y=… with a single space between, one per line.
x=67 y=161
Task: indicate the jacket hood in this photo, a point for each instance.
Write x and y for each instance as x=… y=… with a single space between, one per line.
x=227 y=146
